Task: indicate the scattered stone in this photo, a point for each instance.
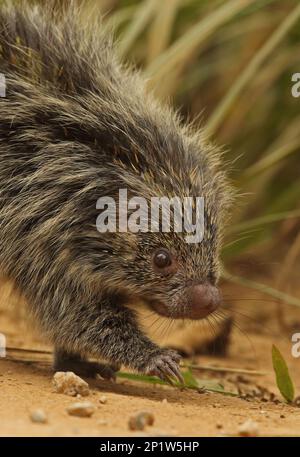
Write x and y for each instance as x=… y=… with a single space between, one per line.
x=215 y=405
x=38 y=416
x=297 y=401
x=219 y=426
x=103 y=399
x=265 y=413
x=248 y=428
x=257 y=392
x=81 y=409
x=164 y=401
x=69 y=383
x=242 y=379
x=141 y=420
x=282 y=416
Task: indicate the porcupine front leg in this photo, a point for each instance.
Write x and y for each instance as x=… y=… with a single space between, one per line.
x=110 y=331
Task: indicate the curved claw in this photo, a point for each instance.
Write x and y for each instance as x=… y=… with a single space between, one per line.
x=169 y=371
x=176 y=373
x=162 y=375
x=165 y=366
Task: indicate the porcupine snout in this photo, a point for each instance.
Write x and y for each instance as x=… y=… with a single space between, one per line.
x=203 y=299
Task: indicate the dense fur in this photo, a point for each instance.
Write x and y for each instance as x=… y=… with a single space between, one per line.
x=76 y=125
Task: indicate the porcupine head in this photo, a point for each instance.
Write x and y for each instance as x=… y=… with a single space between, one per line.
x=167 y=221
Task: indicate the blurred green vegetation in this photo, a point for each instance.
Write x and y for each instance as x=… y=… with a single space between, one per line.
x=228 y=65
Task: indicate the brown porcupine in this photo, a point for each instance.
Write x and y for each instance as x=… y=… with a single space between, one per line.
x=76 y=125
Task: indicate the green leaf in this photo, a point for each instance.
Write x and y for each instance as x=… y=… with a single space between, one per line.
x=190 y=382
x=189 y=379
x=283 y=379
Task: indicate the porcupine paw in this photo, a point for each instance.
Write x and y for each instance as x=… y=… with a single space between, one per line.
x=85 y=368
x=165 y=366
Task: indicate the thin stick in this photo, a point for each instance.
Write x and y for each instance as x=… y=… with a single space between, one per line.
x=289 y=299
x=224 y=369
x=32 y=351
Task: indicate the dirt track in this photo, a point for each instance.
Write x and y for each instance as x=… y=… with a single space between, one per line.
x=25 y=387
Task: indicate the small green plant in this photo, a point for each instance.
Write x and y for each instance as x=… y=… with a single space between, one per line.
x=190 y=382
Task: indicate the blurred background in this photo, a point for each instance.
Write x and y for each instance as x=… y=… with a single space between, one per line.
x=228 y=66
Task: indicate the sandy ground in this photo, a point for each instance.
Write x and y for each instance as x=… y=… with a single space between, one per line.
x=25 y=387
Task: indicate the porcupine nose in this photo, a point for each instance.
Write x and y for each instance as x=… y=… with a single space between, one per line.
x=204 y=299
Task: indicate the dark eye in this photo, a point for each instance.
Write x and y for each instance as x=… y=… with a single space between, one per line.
x=164 y=262
x=162 y=258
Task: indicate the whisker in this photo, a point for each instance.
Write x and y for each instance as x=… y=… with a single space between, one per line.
x=270 y=300
x=266 y=329
x=214 y=333
x=242 y=332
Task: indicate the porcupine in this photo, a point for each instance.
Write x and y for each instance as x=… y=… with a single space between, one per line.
x=77 y=124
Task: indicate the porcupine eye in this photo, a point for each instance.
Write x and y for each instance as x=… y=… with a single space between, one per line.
x=163 y=262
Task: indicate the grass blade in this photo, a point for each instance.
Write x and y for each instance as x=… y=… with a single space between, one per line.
x=263 y=220
x=119 y=17
x=142 y=16
x=290 y=300
x=273 y=158
x=250 y=71
x=186 y=44
x=161 y=29
x=224 y=369
x=190 y=382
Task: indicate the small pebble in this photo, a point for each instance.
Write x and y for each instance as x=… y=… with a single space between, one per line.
x=38 y=416
x=164 y=401
x=69 y=383
x=81 y=409
x=102 y=422
x=103 y=399
x=141 y=420
x=297 y=401
x=248 y=428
